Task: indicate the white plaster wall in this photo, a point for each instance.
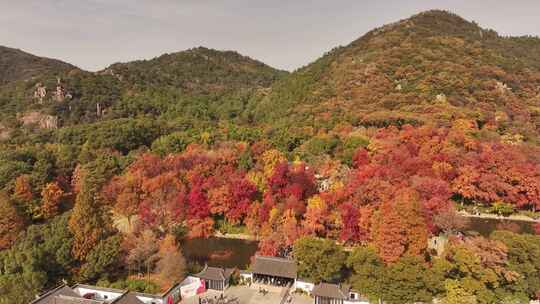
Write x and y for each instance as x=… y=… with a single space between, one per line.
x=355 y=302
x=147 y=300
x=189 y=287
x=246 y=276
x=305 y=286
x=100 y=294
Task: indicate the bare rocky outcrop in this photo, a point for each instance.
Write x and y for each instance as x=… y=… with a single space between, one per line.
x=502 y=87
x=441 y=98
x=43 y=121
x=4 y=132
x=40 y=92
x=49 y=122
x=110 y=71
x=99 y=112
x=60 y=94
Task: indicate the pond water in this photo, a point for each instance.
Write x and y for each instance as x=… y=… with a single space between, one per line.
x=485 y=226
x=220 y=252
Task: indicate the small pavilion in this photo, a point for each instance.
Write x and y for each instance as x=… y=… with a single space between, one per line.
x=327 y=293
x=215 y=278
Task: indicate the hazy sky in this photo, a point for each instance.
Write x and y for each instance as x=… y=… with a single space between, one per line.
x=285 y=34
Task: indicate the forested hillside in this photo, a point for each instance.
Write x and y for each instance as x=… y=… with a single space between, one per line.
x=378 y=146
x=434 y=67
x=17 y=65
x=194 y=87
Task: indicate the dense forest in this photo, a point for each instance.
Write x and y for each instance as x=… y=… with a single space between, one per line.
x=351 y=164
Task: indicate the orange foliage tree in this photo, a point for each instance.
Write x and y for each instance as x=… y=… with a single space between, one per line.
x=11 y=224
x=400 y=228
x=51 y=196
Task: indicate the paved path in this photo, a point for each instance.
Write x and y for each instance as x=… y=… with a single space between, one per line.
x=513 y=217
x=247 y=295
x=239 y=236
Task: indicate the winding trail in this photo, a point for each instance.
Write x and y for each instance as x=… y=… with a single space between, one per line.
x=514 y=217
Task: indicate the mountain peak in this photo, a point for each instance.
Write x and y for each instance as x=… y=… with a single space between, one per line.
x=444 y=22
x=197 y=68
x=16 y=64
x=433 y=67
x=434 y=23
x=438 y=13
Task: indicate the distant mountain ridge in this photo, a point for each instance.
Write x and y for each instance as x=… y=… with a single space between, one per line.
x=434 y=67
x=201 y=68
x=183 y=79
x=19 y=65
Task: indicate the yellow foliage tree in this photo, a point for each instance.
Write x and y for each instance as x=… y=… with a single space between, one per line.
x=270 y=159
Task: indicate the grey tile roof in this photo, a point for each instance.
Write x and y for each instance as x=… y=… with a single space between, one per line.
x=215 y=273
x=146 y=295
x=98 y=288
x=334 y=291
x=274 y=266
x=128 y=298
x=47 y=297
x=63 y=294
x=61 y=299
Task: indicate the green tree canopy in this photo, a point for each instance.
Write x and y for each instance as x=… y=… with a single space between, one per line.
x=367 y=271
x=523 y=258
x=39 y=259
x=409 y=280
x=319 y=259
x=103 y=260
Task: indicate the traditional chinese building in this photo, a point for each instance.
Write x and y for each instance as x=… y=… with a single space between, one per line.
x=87 y=294
x=273 y=271
x=326 y=293
x=215 y=278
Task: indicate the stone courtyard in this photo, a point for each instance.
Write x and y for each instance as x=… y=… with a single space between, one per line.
x=247 y=295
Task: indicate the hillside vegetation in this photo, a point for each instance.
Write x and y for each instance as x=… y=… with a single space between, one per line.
x=17 y=65
x=434 y=67
x=195 y=86
x=375 y=146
